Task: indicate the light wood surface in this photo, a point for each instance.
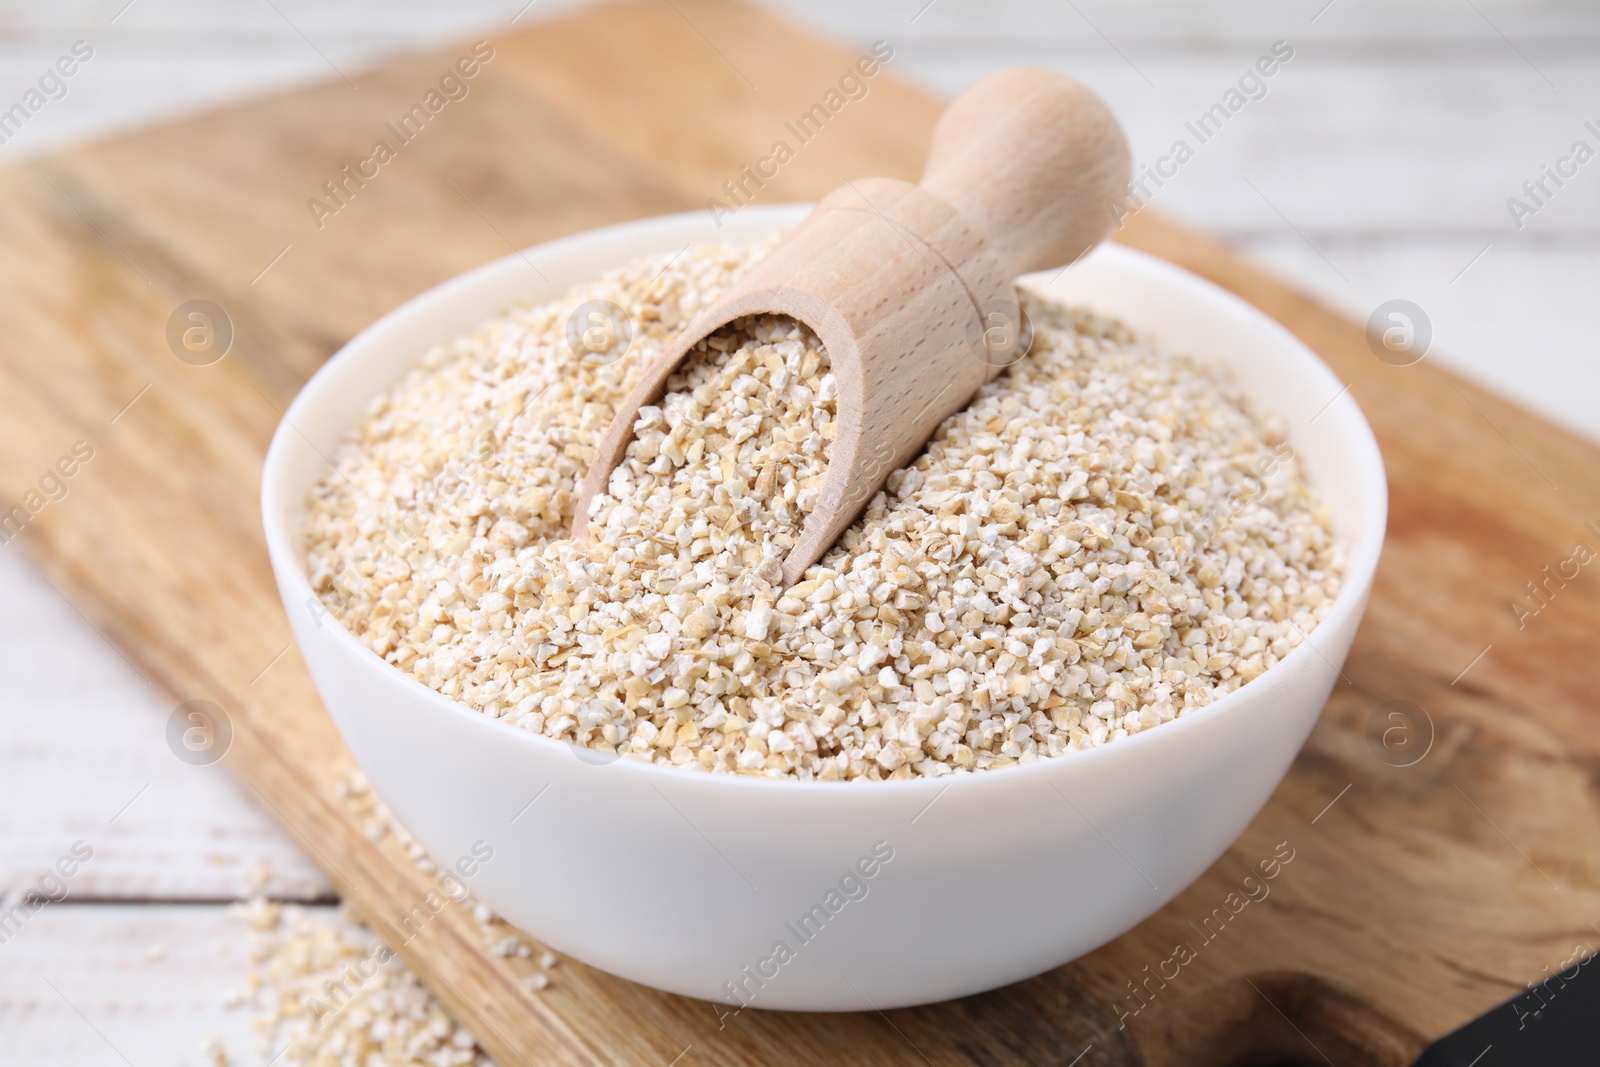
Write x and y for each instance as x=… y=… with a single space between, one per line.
x=1378 y=165
x=909 y=287
x=1422 y=895
x=129 y=983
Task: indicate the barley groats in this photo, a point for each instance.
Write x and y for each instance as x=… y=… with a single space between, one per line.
x=1105 y=539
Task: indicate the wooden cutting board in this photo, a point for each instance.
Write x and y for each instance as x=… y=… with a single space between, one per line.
x=1418 y=896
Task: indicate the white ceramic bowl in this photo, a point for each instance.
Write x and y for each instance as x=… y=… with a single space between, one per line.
x=688 y=882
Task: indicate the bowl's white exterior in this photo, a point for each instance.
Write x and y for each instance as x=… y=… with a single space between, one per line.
x=682 y=880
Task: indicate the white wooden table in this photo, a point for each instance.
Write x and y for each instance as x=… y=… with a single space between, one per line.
x=1377 y=166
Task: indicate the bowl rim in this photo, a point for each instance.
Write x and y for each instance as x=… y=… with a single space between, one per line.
x=1364 y=548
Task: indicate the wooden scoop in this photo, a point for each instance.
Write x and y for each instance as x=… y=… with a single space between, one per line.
x=909 y=287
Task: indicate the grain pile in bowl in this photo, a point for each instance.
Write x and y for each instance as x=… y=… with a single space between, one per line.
x=1106 y=538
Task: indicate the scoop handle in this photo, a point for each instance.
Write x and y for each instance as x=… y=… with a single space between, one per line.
x=1033 y=159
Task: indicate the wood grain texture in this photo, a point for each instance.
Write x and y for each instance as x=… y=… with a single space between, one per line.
x=84 y=757
x=90 y=986
x=1423 y=895
x=1391 y=142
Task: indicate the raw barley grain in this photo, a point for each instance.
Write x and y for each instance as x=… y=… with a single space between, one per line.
x=1105 y=539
